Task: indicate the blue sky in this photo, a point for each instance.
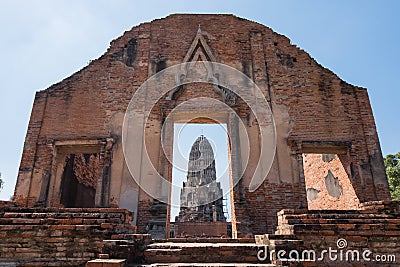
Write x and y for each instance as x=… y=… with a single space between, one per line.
x=45 y=41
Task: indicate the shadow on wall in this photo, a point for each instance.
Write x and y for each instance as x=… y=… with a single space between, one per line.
x=327 y=182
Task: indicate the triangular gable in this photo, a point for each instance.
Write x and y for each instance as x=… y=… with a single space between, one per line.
x=199 y=50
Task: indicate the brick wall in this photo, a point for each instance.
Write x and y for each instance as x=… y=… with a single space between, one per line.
x=374 y=227
x=310 y=103
x=57 y=237
x=207 y=229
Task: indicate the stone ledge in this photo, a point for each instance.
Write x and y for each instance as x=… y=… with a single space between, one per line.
x=107 y=263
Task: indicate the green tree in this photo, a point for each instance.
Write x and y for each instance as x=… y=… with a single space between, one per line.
x=1 y=182
x=392 y=165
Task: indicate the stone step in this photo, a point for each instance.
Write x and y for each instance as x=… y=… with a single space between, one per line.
x=134 y=237
x=207 y=240
x=9 y=264
x=129 y=246
x=392 y=230
x=342 y=227
x=107 y=263
x=116 y=228
x=62 y=210
x=210 y=264
x=268 y=239
x=58 y=221
x=202 y=252
x=63 y=215
x=200 y=245
x=333 y=220
x=55 y=262
x=310 y=213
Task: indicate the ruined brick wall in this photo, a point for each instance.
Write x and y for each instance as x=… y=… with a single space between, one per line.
x=373 y=227
x=57 y=237
x=311 y=105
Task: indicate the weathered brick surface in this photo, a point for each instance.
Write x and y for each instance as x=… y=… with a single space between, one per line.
x=58 y=237
x=107 y=263
x=313 y=109
x=316 y=170
x=127 y=246
x=219 y=252
x=376 y=227
x=210 y=229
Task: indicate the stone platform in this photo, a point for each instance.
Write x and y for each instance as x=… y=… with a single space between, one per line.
x=73 y=237
x=57 y=236
x=203 y=252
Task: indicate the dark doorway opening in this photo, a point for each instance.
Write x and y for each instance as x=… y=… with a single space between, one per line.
x=79 y=180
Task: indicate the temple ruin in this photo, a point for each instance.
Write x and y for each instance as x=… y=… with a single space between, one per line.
x=89 y=172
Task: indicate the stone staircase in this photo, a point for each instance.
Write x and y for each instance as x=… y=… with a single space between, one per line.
x=374 y=227
x=216 y=251
x=57 y=236
x=184 y=251
x=72 y=237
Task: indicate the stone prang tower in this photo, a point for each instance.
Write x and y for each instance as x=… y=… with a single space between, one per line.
x=201 y=195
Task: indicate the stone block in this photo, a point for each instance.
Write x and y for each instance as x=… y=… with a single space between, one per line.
x=107 y=263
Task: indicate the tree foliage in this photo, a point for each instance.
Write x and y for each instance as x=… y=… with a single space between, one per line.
x=392 y=165
x=1 y=182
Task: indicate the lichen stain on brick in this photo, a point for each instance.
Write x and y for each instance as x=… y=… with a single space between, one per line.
x=332 y=185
